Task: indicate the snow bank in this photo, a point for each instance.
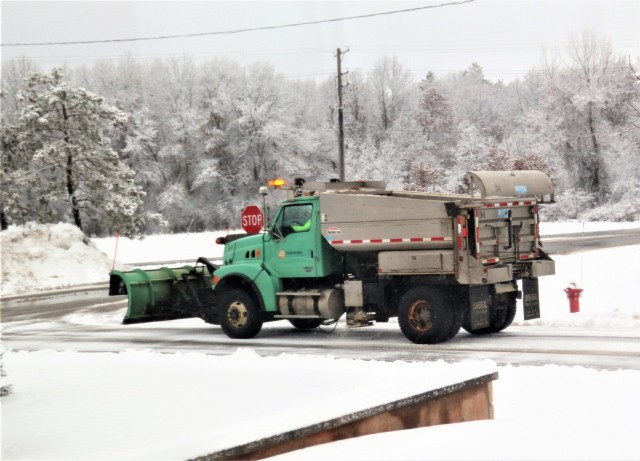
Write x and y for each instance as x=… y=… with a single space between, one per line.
x=38 y=257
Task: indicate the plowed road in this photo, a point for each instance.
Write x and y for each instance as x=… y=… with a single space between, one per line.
x=87 y=320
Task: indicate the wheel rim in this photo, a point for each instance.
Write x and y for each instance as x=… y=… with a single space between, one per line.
x=237 y=314
x=420 y=316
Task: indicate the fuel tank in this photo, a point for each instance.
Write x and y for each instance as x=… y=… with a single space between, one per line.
x=325 y=303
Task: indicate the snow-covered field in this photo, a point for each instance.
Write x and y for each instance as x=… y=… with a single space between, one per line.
x=145 y=405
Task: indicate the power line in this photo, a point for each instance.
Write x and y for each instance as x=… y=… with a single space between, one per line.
x=238 y=31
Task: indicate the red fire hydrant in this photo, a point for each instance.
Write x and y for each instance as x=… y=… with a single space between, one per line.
x=573 y=294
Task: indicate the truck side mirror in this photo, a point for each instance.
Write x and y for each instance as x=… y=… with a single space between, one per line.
x=275 y=233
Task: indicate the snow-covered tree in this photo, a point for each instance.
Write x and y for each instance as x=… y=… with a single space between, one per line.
x=72 y=170
x=533 y=162
x=571 y=100
x=472 y=152
x=423 y=177
x=439 y=130
x=202 y=137
x=357 y=105
x=476 y=100
x=13 y=73
x=391 y=85
x=435 y=115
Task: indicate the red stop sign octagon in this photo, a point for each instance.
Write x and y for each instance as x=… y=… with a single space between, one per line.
x=252 y=219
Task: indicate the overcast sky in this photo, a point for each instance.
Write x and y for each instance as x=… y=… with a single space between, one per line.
x=505 y=37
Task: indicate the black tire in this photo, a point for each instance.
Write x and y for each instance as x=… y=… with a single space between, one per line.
x=425 y=316
x=501 y=312
x=455 y=300
x=239 y=314
x=508 y=301
x=458 y=315
x=306 y=324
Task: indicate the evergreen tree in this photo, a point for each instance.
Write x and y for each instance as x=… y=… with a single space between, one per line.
x=63 y=166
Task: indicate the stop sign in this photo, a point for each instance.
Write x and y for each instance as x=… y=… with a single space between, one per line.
x=252 y=219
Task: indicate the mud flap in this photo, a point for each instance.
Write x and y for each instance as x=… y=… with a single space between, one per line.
x=479 y=307
x=530 y=299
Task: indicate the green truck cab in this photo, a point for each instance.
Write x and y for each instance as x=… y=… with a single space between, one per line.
x=259 y=267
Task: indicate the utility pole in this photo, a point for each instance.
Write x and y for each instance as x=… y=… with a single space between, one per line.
x=339 y=55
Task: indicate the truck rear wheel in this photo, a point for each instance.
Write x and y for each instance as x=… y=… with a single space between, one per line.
x=424 y=316
x=509 y=303
x=239 y=314
x=458 y=316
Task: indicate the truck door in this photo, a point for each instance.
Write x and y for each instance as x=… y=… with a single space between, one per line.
x=291 y=252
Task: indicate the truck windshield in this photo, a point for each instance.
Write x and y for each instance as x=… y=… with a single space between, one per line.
x=293 y=218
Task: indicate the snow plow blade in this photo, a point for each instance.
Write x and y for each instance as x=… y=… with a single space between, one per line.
x=165 y=293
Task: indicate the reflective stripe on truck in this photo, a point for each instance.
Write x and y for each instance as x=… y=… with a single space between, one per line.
x=391 y=240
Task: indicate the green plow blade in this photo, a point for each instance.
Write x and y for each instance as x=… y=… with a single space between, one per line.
x=165 y=293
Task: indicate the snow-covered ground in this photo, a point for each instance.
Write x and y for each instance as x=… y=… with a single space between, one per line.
x=145 y=405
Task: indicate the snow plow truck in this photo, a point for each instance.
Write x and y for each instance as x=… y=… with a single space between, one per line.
x=437 y=262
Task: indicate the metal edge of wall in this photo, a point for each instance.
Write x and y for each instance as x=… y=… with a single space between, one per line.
x=469 y=400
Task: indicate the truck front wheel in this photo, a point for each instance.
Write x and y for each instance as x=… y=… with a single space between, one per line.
x=424 y=316
x=239 y=314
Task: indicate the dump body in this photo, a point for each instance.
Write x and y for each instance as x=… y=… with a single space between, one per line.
x=476 y=239
x=381 y=222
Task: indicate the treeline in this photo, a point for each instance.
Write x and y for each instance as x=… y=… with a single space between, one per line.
x=187 y=145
